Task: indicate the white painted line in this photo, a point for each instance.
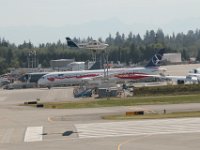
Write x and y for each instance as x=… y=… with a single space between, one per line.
x=33 y=134
x=132 y=128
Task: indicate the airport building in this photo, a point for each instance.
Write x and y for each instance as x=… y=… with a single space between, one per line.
x=172 y=57
x=61 y=64
x=76 y=66
x=70 y=64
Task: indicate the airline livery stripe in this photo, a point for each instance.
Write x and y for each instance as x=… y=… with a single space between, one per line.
x=33 y=134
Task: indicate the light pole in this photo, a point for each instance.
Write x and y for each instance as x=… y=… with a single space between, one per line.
x=106 y=78
x=32 y=59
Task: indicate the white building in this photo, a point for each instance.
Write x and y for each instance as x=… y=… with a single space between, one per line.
x=61 y=64
x=172 y=57
x=76 y=66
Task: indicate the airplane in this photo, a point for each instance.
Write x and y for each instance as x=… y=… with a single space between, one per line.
x=194 y=72
x=31 y=77
x=117 y=74
x=192 y=77
x=92 y=45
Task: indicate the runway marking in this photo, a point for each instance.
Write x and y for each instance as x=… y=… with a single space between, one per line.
x=134 y=128
x=130 y=140
x=33 y=134
x=50 y=120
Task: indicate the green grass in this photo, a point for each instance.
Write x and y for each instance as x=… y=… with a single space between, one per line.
x=169 y=90
x=175 y=99
x=153 y=116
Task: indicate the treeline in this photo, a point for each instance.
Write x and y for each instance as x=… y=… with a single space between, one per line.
x=131 y=48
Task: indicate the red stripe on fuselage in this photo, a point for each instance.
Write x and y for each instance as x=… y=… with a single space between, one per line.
x=133 y=76
x=69 y=77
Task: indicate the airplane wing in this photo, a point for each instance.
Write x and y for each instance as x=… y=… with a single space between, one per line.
x=194 y=74
x=174 y=77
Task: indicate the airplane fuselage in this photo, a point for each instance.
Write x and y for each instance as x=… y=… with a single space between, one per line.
x=93 y=46
x=77 y=77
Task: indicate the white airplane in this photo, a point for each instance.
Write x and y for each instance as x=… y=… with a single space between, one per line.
x=78 y=77
x=195 y=72
x=193 y=77
x=92 y=45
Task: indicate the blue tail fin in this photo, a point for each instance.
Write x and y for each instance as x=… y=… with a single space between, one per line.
x=96 y=65
x=156 y=58
x=70 y=43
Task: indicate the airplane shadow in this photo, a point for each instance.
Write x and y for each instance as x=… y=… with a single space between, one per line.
x=66 y=133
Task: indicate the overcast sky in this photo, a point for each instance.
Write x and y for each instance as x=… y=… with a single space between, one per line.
x=47 y=15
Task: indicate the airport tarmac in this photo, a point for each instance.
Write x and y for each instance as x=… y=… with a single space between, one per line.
x=180 y=70
x=23 y=128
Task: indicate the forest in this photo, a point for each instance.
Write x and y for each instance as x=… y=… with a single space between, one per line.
x=129 y=49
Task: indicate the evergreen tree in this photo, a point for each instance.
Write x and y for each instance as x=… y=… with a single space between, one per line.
x=198 y=55
x=185 y=55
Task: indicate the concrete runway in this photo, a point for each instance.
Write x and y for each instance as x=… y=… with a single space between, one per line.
x=27 y=128
x=180 y=70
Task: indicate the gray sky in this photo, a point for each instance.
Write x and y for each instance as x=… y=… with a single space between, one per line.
x=38 y=20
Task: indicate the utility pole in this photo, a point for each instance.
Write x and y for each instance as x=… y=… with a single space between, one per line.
x=32 y=59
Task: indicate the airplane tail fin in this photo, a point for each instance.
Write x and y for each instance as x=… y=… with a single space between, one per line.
x=70 y=43
x=96 y=65
x=156 y=58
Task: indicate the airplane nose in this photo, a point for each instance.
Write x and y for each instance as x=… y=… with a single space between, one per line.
x=40 y=82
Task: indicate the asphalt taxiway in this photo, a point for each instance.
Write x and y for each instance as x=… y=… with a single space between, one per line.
x=23 y=128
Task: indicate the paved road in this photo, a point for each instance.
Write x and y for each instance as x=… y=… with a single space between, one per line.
x=78 y=129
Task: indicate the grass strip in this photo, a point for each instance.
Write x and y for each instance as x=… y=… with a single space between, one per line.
x=153 y=116
x=175 y=99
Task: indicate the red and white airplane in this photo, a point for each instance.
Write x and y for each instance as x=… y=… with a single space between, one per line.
x=78 y=77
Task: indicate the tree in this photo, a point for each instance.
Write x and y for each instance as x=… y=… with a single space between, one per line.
x=118 y=39
x=134 y=48
x=135 y=54
x=3 y=66
x=160 y=36
x=109 y=40
x=185 y=55
x=198 y=55
x=9 y=56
